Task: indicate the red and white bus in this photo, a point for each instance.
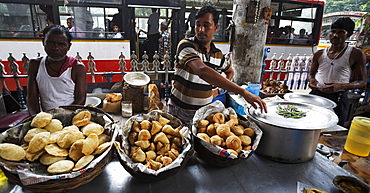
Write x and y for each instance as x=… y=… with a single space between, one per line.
x=21 y=22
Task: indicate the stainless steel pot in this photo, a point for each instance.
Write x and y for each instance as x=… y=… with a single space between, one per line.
x=291 y=140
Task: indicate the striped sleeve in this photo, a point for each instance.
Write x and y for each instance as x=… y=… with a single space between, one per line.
x=186 y=52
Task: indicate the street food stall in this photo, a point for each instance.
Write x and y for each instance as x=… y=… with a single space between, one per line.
x=308 y=167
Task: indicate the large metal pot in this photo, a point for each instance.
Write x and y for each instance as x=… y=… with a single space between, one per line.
x=291 y=140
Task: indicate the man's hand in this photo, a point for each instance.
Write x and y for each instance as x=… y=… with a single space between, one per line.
x=331 y=88
x=253 y=99
x=313 y=84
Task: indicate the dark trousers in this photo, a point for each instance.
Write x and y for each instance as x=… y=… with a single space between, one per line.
x=341 y=99
x=153 y=45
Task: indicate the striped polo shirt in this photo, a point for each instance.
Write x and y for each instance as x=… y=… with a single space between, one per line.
x=189 y=91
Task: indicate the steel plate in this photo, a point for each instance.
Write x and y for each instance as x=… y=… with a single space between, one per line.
x=310 y=99
x=316 y=117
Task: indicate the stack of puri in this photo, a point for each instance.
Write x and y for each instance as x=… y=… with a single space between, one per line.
x=51 y=146
x=154 y=146
x=222 y=137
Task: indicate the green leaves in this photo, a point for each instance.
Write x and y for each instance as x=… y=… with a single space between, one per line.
x=345 y=5
x=290 y=111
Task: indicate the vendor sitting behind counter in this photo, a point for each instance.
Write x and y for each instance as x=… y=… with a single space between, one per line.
x=196 y=62
x=56 y=79
x=334 y=67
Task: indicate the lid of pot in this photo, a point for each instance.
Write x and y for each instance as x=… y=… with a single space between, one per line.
x=310 y=99
x=316 y=117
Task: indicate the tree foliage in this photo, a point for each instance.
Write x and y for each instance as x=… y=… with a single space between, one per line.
x=345 y=5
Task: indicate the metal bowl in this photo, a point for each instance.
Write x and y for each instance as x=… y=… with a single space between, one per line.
x=347 y=184
x=92 y=101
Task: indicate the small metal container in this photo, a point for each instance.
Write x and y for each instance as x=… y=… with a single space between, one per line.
x=291 y=140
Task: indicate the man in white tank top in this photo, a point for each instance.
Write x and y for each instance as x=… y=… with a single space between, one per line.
x=338 y=68
x=56 y=79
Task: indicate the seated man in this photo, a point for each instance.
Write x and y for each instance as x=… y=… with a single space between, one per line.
x=56 y=79
x=302 y=38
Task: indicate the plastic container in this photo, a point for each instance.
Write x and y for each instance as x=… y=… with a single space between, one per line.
x=254 y=88
x=358 y=139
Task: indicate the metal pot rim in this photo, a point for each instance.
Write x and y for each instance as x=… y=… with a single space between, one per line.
x=317 y=117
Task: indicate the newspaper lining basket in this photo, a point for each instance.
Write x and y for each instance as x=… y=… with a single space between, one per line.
x=151 y=177
x=62 y=185
x=216 y=160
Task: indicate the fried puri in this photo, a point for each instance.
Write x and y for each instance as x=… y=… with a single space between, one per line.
x=92 y=128
x=12 y=152
x=47 y=159
x=54 y=125
x=60 y=167
x=83 y=162
x=41 y=120
x=38 y=142
x=81 y=119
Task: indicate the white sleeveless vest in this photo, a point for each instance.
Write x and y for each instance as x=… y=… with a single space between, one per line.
x=54 y=91
x=339 y=72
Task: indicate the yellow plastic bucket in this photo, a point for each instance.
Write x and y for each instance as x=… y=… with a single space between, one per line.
x=358 y=139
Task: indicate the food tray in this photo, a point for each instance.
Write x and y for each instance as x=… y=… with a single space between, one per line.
x=59 y=185
x=209 y=152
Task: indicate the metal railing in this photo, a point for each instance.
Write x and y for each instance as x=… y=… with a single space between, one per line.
x=292 y=71
x=156 y=67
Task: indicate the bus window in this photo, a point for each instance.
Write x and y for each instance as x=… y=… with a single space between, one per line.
x=295 y=32
x=298 y=11
x=16 y=20
x=97 y=1
x=89 y=22
x=293 y=23
x=141 y=19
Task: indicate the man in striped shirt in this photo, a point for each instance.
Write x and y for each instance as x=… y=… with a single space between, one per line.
x=196 y=70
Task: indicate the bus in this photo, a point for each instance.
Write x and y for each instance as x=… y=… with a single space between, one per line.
x=329 y=18
x=298 y=15
x=22 y=21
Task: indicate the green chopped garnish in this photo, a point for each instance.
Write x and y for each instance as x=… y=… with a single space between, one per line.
x=290 y=111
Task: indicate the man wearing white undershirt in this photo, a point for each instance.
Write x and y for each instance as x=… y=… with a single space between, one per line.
x=338 y=68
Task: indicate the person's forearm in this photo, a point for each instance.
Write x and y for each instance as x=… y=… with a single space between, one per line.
x=354 y=85
x=33 y=105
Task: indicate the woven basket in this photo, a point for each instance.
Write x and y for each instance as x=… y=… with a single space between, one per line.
x=216 y=160
x=62 y=185
x=145 y=177
x=154 y=178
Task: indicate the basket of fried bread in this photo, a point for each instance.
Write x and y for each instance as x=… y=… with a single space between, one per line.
x=153 y=146
x=222 y=137
x=58 y=150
